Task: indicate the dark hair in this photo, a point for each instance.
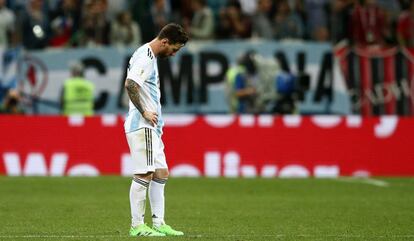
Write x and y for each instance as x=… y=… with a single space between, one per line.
x=234 y=3
x=247 y=61
x=174 y=33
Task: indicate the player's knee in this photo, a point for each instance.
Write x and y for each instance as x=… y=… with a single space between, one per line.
x=161 y=174
x=166 y=174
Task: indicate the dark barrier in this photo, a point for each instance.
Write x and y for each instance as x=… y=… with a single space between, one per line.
x=380 y=80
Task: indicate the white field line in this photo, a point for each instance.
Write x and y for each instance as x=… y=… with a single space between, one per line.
x=402 y=236
x=365 y=180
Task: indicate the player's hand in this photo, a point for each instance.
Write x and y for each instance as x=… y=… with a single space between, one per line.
x=151 y=117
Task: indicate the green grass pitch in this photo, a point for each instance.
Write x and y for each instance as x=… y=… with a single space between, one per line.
x=211 y=209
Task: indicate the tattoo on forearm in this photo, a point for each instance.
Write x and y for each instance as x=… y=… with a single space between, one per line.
x=133 y=93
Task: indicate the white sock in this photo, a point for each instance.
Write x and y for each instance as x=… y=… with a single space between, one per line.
x=156 y=196
x=137 y=198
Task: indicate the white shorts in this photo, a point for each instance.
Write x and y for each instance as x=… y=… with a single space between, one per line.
x=147 y=151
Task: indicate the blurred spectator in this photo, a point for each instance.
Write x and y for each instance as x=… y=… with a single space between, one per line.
x=248 y=7
x=368 y=24
x=180 y=9
x=95 y=28
x=262 y=20
x=19 y=9
x=233 y=23
x=115 y=7
x=202 y=23
x=141 y=14
x=404 y=4
x=298 y=7
x=341 y=12
x=216 y=5
x=78 y=93
x=161 y=14
x=405 y=28
x=16 y=5
x=317 y=19
x=287 y=23
x=125 y=31
x=7 y=25
x=240 y=86
x=392 y=8
x=35 y=26
x=65 y=23
x=11 y=104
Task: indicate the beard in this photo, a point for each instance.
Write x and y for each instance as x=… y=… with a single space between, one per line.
x=163 y=55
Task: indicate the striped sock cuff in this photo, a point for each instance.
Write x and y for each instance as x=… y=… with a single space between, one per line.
x=141 y=182
x=159 y=180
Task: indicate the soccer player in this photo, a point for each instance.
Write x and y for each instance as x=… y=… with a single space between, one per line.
x=143 y=128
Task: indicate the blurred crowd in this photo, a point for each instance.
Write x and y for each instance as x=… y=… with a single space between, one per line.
x=38 y=24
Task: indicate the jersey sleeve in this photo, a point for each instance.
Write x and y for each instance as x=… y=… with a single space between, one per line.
x=140 y=69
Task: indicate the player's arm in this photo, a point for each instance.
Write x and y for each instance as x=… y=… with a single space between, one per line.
x=133 y=89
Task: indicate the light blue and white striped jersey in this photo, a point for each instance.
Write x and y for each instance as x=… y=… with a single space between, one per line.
x=143 y=70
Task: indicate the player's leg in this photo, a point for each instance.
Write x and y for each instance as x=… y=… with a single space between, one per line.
x=156 y=196
x=156 y=192
x=157 y=184
x=143 y=169
x=137 y=198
